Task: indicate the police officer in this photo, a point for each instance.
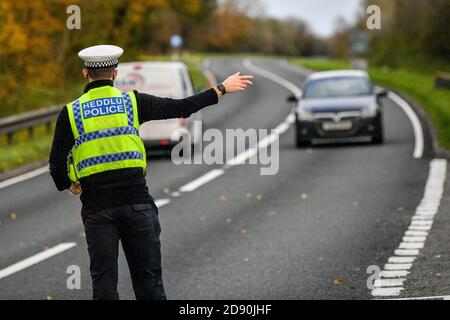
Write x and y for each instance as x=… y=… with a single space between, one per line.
x=99 y=134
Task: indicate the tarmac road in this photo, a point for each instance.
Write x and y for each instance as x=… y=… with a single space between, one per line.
x=309 y=232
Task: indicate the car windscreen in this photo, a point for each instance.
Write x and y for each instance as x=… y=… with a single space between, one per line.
x=337 y=87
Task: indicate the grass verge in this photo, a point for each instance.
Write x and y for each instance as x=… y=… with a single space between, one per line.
x=417 y=85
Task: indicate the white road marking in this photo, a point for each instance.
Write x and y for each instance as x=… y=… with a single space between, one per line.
x=161 y=202
x=197 y=183
x=414 y=239
x=273 y=77
x=19 y=266
x=397 y=266
x=411 y=245
x=385 y=292
x=419 y=228
x=425 y=298
x=414 y=119
x=417 y=233
x=406 y=252
x=23 y=177
x=380 y=283
x=401 y=259
x=394 y=274
x=242 y=157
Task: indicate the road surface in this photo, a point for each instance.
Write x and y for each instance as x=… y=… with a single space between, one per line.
x=309 y=232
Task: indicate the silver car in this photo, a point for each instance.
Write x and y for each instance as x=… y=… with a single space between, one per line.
x=163 y=79
x=338 y=104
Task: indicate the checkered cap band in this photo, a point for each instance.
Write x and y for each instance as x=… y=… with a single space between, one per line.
x=102 y=64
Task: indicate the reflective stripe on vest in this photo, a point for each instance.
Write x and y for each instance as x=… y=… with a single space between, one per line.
x=135 y=155
x=105 y=134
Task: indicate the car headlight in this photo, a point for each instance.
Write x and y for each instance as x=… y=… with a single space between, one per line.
x=370 y=111
x=304 y=115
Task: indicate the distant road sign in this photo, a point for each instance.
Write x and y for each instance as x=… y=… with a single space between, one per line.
x=176 y=41
x=360 y=42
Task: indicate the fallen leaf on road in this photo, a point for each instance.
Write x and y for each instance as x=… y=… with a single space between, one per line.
x=13 y=216
x=304 y=196
x=338 y=282
x=244 y=231
x=259 y=197
x=222 y=198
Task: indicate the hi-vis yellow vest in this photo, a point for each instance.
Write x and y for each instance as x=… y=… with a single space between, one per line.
x=105 y=126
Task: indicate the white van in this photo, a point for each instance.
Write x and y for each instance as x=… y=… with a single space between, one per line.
x=162 y=79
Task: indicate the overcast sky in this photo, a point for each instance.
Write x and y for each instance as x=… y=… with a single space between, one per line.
x=320 y=15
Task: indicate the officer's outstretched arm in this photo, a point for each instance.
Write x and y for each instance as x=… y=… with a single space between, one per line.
x=235 y=83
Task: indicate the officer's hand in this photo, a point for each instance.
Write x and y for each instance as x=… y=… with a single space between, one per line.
x=75 y=189
x=237 y=83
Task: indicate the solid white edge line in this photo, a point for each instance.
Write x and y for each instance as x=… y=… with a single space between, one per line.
x=207 y=177
x=23 y=177
x=414 y=119
x=39 y=257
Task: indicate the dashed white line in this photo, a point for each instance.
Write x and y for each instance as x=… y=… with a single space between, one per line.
x=19 y=266
x=388 y=283
x=23 y=177
x=401 y=259
x=274 y=77
x=386 y=292
x=204 y=179
x=415 y=237
x=406 y=252
x=161 y=202
x=393 y=274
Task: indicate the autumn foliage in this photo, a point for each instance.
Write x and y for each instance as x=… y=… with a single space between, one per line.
x=38 y=62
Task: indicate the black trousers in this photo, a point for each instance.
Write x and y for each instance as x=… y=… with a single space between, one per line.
x=137 y=227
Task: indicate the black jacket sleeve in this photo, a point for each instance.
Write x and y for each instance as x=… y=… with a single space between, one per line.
x=63 y=142
x=155 y=108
